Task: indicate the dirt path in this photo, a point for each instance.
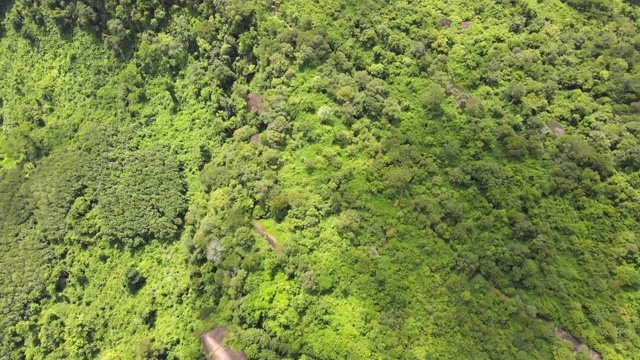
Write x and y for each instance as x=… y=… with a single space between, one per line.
x=558 y=330
x=213 y=349
x=577 y=343
x=456 y=92
x=556 y=128
x=499 y=292
x=270 y=238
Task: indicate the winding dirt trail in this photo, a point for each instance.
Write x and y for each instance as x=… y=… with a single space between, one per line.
x=566 y=336
x=212 y=340
x=561 y=333
x=456 y=92
x=213 y=349
x=258 y=229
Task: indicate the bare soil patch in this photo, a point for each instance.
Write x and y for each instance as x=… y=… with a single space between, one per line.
x=557 y=128
x=466 y=25
x=254 y=101
x=445 y=22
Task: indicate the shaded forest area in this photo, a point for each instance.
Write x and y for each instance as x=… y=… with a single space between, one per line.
x=439 y=176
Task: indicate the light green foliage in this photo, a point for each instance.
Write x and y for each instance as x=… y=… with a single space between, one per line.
x=433 y=96
x=324 y=113
x=422 y=206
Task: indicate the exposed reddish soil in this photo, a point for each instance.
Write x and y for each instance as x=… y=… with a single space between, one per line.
x=257 y=228
x=255 y=139
x=213 y=349
x=557 y=128
x=466 y=25
x=254 y=101
x=445 y=22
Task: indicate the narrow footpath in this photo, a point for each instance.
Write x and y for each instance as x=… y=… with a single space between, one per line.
x=561 y=333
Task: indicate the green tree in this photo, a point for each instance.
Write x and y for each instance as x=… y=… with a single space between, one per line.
x=433 y=96
x=133 y=280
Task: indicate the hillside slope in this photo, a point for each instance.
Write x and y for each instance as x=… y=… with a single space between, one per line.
x=436 y=179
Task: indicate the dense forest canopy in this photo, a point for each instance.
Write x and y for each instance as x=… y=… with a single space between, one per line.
x=435 y=179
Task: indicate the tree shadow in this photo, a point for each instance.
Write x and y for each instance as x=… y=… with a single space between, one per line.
x=4 y=8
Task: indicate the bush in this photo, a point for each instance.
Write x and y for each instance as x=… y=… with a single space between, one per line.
x=133 y=280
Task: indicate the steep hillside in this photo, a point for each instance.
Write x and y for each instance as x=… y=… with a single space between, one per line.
x=328 y=180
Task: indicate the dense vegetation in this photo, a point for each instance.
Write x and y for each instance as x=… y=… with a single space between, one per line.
x=405 y=161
